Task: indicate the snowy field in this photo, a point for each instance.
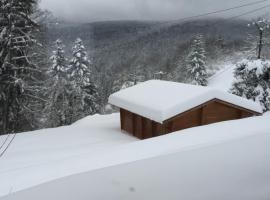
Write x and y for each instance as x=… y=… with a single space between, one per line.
x=92 y=159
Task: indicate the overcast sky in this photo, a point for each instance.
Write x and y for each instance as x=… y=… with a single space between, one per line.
x=102 y=10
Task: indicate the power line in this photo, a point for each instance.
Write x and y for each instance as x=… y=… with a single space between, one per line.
x=213 y=12
x=222 y=10
x=171 y=23
x=245 y=13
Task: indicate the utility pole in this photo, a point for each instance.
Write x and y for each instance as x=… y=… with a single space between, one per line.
x=261 y=25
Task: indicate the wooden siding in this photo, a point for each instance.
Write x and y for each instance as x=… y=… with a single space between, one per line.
x=190 y=119
x=147 y=128
x=207 y=113
x=127 y=121
x=217 y=112
x=138 y=126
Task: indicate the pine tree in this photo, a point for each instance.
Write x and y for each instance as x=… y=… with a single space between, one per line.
x=196 y=68
x=79 y=64
x=265 y=82
x=59 y=91
x=247 y=81
x=252 y=81
x=85 y=95
x=59 y=67
x=19 y=86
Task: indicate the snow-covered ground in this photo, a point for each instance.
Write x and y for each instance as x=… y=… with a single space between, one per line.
x=92 y=159
x=32 y=156
x=223 y=79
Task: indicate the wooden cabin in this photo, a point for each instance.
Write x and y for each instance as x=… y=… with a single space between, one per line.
x=155 y=108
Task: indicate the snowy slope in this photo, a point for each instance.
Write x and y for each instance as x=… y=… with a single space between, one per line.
x=223 y=79
x=228 y=160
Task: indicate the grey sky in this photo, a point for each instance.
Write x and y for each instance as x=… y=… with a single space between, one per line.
x=101 y=10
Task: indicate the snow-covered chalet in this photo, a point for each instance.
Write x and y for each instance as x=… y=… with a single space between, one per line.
x=155 y=107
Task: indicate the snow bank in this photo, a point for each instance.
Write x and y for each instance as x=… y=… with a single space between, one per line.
x=228 y=160
x=161 y=100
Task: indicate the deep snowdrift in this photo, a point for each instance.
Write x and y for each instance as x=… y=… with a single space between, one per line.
x=229 y=160
x=32 y=156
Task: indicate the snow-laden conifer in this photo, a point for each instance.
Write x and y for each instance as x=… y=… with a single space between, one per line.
x=196 y=69
x=59 y=89
x=85 y=95
x=19 y=85
x=252 y=81
x=59 y=61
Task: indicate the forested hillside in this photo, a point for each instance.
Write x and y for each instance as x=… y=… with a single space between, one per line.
x=155 y=45
x=122 y=49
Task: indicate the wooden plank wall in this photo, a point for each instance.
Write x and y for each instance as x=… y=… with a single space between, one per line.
x=126 y=121
x=139 y=126
x=190 y=119
x=217 y=112
x=209 y=113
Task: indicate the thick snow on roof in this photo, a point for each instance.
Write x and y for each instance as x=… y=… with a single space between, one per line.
x=161 y=100
x=207 y=162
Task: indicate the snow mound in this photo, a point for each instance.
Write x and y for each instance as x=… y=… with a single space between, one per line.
x=161 y=100
x=227 y=160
